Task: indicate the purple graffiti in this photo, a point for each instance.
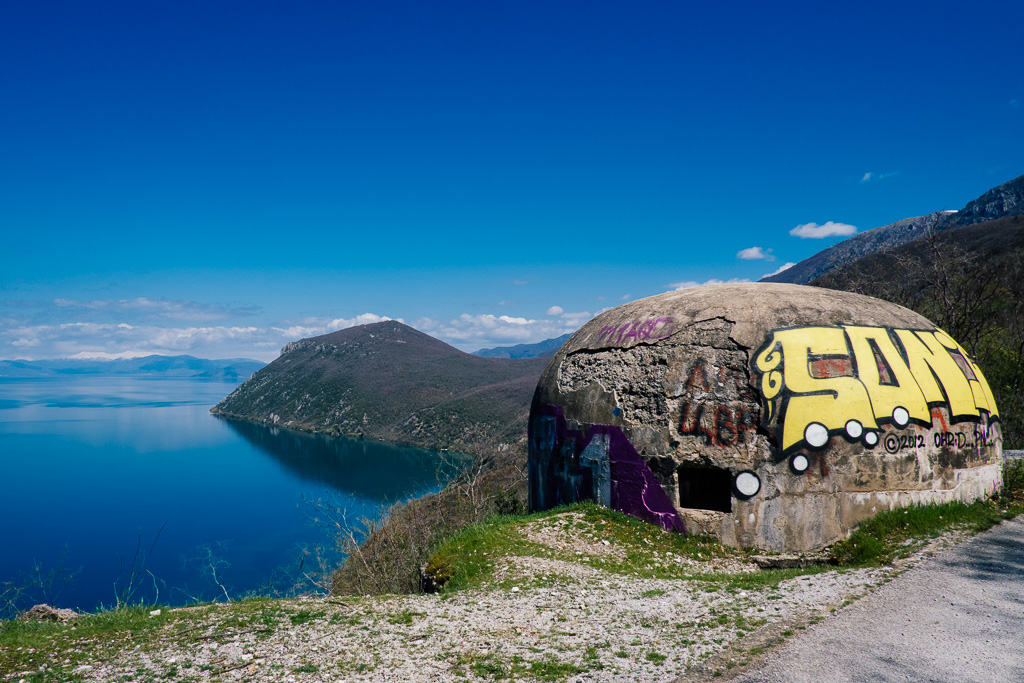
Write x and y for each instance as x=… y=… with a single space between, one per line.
x=639 y=330
x=566 y=467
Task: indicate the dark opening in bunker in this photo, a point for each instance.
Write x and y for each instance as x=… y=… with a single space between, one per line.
x=705 y=489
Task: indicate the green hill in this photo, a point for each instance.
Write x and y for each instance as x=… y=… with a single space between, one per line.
x=390 y=382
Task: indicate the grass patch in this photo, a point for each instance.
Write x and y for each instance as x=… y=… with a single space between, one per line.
x=27 y=645
x=468 y=559
x=304 y=616
x=493 y=667
x=405 y=617
x=104 y=635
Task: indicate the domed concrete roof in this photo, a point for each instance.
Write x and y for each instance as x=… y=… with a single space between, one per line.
x=771 y=415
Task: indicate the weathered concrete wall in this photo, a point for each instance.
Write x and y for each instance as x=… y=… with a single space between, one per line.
x=769 y=415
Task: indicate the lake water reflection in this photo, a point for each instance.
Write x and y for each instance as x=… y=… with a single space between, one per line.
x=91 y=465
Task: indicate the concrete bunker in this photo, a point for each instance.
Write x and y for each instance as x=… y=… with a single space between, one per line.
x=768 y=415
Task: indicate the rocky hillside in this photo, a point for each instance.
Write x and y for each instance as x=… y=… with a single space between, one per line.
x=1005 y=200
x=390 y=382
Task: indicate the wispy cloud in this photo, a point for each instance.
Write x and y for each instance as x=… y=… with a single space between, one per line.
x=472 y=332
x=755 y=254
x=38 y=330
x=520 y=282
x=878 y=176
x=784 y=266
x=713 y=281
x=829 y=229
x=154 y=309
x=123 y=340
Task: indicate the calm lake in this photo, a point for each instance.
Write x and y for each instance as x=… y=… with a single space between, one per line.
x=91 y=465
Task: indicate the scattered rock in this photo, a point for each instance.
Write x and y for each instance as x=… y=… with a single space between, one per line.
x=47 y=613
x=792 y=561
x=433 y=577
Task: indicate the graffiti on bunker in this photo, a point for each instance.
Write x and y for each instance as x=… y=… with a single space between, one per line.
x=568 y=466
x=850 y=380
x=636 y=330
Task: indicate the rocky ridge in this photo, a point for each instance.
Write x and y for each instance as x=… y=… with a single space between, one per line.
x=999 y=202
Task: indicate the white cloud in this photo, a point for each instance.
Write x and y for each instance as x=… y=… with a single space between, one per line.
x=125 y=328
x=150 y=309
x=829 y=229
x=713 y=281
x=624 y=297
x=784 y=266
x=755 y=254
x=472 y=332
x=121 y=340
x=878 y=176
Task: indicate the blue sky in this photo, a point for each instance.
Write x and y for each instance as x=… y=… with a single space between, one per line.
x=221 y=178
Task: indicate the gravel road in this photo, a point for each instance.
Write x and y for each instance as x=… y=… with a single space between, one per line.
x=957 y=617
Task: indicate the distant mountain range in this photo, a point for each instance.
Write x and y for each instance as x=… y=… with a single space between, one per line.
x=999 y=202
x=390 y=382
x=543 y=349
x=232 y=369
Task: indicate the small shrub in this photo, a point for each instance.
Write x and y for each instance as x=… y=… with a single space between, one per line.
x=385 y=555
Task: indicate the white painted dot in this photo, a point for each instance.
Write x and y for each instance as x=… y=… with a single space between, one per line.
x=871 y=438
x=800 y=462
x=748 y=484
x=854 y=429
x=816 y=434
x=901 y=416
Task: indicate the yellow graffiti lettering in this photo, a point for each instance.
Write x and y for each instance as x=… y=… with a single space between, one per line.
x=877 y=355
x=929 y=361
x=820 y=381
x=831 y=402
x=979 y=385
